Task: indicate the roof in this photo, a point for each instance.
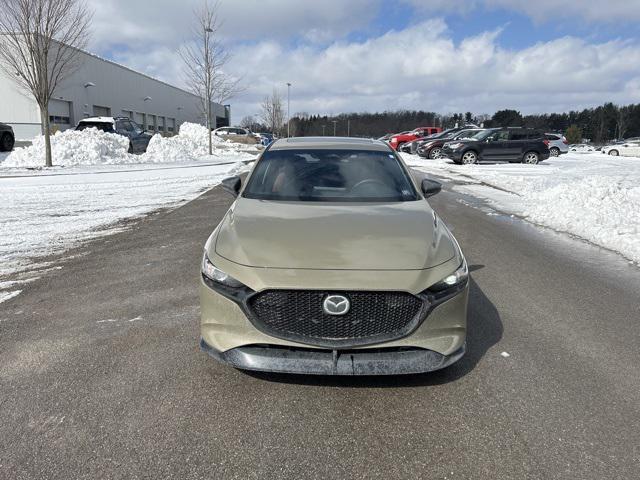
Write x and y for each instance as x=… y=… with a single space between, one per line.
x=97 y=119
x=344 y=143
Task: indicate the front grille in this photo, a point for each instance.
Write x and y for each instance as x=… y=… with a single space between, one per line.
x=298 y=315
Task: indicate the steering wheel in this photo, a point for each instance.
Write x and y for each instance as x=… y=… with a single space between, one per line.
x=367 y=181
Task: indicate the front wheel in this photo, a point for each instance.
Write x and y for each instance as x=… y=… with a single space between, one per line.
x=554 y=152
x=469 y=158
x=614 y=153
x=435 y=153
x=531 y=158
x=6 y=143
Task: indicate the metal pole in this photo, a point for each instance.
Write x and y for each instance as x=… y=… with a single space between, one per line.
x=335 y=122
x=348 y=128
x=288 y=110
x=323 y=130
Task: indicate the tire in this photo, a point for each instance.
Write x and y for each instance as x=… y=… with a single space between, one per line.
x=614 y=153
x=531 y=158
x=469 y=158
x=6 y=143
x=130 y=148
x=435 y=153
x=554 y=152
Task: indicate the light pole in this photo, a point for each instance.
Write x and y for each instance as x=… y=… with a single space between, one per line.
x=335 y=122
x=207 y=84
x=288 y=110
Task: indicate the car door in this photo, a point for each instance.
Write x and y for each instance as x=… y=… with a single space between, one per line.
x=124 y=128
x=139 y=139
x=520 y=141
x=496 y=146
x=630 y=149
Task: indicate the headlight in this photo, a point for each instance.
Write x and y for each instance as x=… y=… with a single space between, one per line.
x=394 y=140
x=454 y=146
x=456 y=278
x=216 y=275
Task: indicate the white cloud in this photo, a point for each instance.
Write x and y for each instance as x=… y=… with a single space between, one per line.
x=419 y=67
x=168 y=22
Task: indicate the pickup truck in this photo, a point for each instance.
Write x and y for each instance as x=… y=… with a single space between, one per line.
x=396 y=141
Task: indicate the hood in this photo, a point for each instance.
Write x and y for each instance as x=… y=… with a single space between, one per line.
x=333 y=236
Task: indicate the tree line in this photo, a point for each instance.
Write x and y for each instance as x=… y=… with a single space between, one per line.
x=598 y=125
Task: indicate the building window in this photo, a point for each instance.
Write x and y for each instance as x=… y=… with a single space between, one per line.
x=59 y=120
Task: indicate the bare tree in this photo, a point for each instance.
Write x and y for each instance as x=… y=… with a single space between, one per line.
x=40 y=45
x=623 y=118
x=204 y=59
x=272 y=112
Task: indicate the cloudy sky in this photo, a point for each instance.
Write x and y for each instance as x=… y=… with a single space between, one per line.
x=373 y=55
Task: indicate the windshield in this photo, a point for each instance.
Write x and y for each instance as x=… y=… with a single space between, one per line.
x=482 y=135
x=104 y=126
x=317 y=175
x=466 y=134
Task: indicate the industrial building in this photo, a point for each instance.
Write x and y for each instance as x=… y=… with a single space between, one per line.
x=103 y=88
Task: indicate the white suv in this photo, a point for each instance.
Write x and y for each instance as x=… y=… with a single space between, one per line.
x=557 y=144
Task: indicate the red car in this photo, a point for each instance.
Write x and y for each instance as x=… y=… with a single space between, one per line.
x=401 y=138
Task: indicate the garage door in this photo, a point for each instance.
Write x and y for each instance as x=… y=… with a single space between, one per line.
x=139 y=119
x=60 y=113
x=99 y=111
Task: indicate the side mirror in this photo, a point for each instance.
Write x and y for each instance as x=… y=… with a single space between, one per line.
x=232 y=185
x=430 y=187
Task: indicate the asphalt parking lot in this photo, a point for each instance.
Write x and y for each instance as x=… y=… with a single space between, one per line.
x=101 y=375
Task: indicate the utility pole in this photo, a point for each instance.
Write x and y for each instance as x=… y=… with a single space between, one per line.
x=323 y=130
x=348 y=128
x=288 y=110
x=335 y=122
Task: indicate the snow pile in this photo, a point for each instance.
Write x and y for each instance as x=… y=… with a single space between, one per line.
x=95 y=147
x=191 y=144
x=69 y=148
x=595 y=197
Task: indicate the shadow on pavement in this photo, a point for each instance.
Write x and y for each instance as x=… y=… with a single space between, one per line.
x=484 y=330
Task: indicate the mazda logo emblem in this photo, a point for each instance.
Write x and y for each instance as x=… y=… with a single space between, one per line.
x=336 y=305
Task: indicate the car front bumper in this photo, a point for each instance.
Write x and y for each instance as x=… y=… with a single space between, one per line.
x=228 y=335
x=455 y=155
x=270 y=358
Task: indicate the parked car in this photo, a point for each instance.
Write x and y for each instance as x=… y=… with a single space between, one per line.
x=500 y=144
x=7 y=138
x=432 y=147
x=396 y=141
x=416 y=144
x=266 y=139
x=630 y=148
x=230 y=131
x=386 y=137
x=581 y=148
x=138 y=138
x=558 y=144
x=305 y=274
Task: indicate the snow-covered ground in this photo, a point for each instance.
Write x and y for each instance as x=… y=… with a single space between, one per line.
x=593 y=196
x=47 y=211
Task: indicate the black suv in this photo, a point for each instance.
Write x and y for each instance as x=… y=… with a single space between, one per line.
x=7 y=139
x=138 y=138
x=515 y=145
